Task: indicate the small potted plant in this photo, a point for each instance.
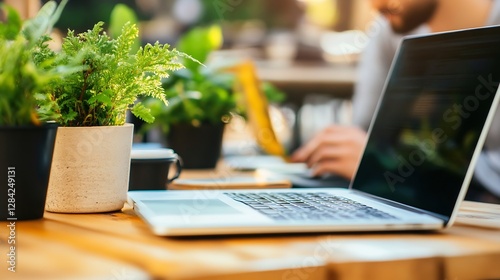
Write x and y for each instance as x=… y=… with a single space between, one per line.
x=91 y=165
x=26 y=143
x=202 y=99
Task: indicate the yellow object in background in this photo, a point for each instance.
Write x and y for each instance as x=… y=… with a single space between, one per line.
x=321 y=12
x=258 y=109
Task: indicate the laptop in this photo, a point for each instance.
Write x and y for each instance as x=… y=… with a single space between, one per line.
x=430 y=126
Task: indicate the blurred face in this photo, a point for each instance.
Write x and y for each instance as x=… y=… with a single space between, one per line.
x=406 y=15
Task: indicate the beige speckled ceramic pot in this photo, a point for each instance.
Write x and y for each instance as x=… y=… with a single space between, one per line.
x=90 y=169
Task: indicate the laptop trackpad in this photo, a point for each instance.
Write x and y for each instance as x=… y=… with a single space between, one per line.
x=191 y=207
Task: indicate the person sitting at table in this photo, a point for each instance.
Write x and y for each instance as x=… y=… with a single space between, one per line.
x=337 y=149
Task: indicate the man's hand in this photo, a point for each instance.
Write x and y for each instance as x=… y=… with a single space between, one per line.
x=336 y=149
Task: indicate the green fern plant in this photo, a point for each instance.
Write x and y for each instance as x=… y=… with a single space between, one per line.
x=113 y=79
x=23 y=68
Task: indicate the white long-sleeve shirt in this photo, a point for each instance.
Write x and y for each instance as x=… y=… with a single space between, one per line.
x=374 y=67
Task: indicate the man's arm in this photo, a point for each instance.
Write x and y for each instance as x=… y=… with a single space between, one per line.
x=337 y=149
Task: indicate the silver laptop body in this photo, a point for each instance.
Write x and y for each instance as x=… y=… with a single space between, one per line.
x=431 y=122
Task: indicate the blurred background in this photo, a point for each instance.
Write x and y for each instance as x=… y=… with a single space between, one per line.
x=247 y=23
x=308 y=49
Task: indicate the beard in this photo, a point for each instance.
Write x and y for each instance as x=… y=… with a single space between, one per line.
x=405 y=20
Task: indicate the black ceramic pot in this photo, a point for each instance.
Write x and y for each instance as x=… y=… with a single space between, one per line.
x=199 y=147
x=25 y=160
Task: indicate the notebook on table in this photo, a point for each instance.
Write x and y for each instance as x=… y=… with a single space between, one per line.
x=430 y=125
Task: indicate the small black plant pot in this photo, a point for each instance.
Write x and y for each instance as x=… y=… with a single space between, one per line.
x=199 y=147
x=25 y=160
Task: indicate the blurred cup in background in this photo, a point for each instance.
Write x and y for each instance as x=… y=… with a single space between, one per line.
x=281 y=48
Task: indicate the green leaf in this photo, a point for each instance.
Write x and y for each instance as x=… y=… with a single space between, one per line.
x=143 y=113
x=120 y=15
x=199 y=43
x=273 y=94
x=43 y=22
x=102 y=97
x=11 y=28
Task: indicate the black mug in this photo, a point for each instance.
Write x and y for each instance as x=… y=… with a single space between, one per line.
x=150 y=168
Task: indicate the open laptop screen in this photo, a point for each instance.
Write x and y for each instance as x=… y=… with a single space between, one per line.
x=436 y=101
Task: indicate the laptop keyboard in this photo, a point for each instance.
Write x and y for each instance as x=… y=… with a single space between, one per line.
x=308 y=206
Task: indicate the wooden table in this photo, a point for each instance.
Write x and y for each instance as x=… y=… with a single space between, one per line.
x=120 y=246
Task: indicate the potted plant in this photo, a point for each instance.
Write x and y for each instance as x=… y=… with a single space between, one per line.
x=26 y=143
x=202 y=99
x=91 y=165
